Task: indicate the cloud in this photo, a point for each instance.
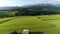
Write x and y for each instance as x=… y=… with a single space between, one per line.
x=50 y=1
x=25 y=2
x=9 y=3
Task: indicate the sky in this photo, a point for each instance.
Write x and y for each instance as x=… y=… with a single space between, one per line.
x=26 y=2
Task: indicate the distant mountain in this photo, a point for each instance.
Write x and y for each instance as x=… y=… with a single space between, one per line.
x=10 y=8
x=57 y=5
x=26 y=6
x=38 y=5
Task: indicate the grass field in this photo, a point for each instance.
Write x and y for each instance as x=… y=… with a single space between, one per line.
x=46 y=24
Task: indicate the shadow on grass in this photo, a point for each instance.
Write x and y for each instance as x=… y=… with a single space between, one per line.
x=34 y=33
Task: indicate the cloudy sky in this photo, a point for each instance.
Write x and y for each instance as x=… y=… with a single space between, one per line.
x=26 y=2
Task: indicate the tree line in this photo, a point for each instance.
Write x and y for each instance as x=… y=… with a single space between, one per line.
x=32 y=11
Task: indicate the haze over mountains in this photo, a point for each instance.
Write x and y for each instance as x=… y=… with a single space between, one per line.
x=28 y=6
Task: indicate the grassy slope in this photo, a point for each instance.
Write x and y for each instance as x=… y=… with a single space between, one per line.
x=46 y=24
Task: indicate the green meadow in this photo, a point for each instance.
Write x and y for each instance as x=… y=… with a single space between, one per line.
x=47 y=24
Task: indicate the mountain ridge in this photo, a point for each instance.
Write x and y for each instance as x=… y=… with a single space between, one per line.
x=26 y=6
